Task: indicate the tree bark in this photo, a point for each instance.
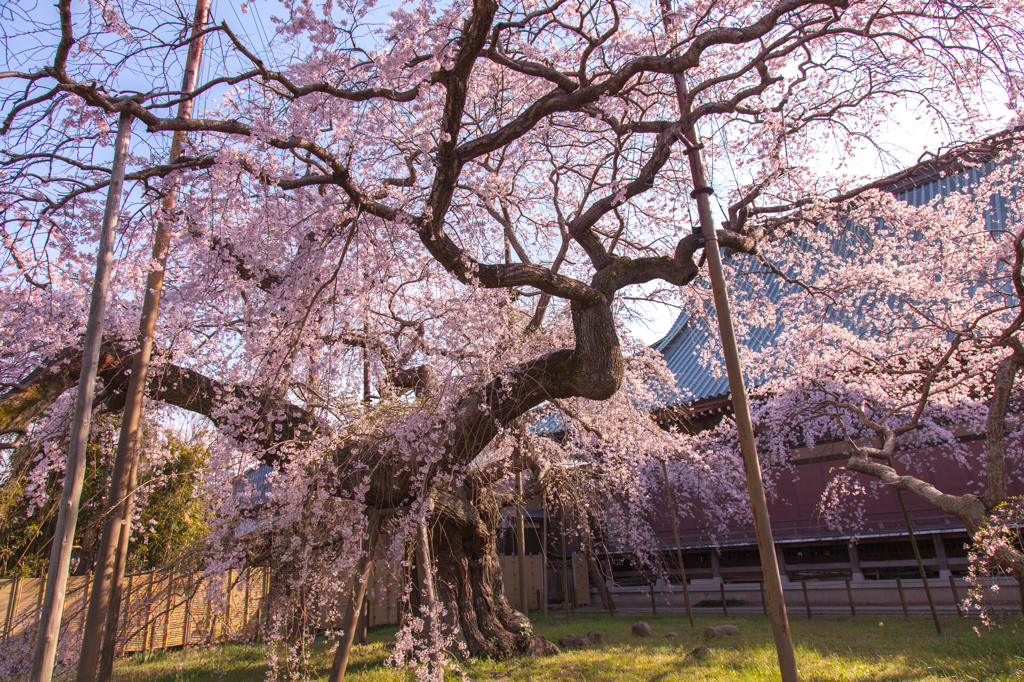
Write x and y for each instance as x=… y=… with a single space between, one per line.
x=469 y=584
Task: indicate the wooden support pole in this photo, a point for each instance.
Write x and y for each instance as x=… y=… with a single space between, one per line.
x=128 y=607
x=956 y=597
x=74 y=473
x=108 y=648
x=544 y=556
x=524 y=600
x=186 y=634
x=119 y=494
x=85 y=597
x=565 y=568
x=170 y=604
x=11 y=608
x=721 y=593
x=654 y=604
x=920 y=563
x=849 y=595
x=227 y=609
x=903 y=599
x=741 y=410
x=355 y=603
x=679 y=550
x=807 y=599
x=245 y=613
x=149 y=613
x=764 y=604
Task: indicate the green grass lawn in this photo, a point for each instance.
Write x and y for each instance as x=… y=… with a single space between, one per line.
x=840 y=649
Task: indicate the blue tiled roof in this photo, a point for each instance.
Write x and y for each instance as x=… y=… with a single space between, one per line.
x=700 y=380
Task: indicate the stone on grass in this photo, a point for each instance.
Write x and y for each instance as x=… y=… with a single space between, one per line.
x=697 y=654
x=537 y=646
x=642 y=629
x=670 y=635
x=580 y=641
x=720 y=631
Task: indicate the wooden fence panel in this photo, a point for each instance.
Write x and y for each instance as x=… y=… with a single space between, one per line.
x=162 y=609
x=582 y=580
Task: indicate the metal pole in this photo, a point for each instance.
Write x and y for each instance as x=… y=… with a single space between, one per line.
x=118 y=492
x=920 y=563
x=748 y=446
x=679 y=550
x=74 y=473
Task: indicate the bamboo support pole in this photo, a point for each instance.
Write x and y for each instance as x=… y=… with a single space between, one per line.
x=74 y=477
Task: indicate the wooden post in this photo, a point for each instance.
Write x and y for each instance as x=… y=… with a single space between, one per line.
x=85 y=596
x=128 y=607
x=364 y=620
x=654 y=605
x=12 y=607
x=341 y=654
x=920 y=563
x=679 y=550
x=170 y=604
x=186 y=634
x=524 y=600
x=721 y=593
x=544 y=556
x=119 y=492
x=149 y=614
x=108 y=649
x=807 y=599
x=39 y=599
x=245 y=610
x=741 y=410
x=849 y=595
x=227 y=610
x=764 y=605
x=903 y=598
x=74 y=477
x=538 y=600
x=565 y=568
x=956 y=597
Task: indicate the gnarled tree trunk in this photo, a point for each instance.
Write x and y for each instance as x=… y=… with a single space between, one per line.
x=469 y=582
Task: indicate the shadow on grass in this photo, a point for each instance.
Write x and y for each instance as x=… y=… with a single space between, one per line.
x=839 y=649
